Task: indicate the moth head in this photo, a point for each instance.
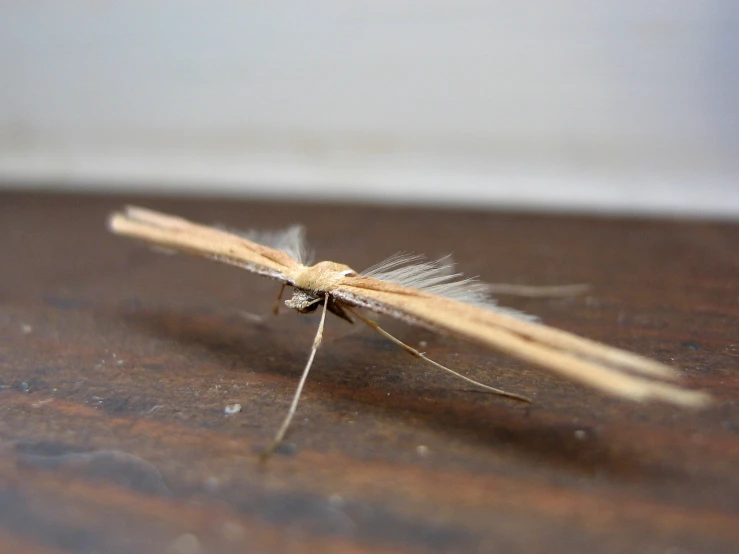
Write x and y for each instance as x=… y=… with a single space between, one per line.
x=304 y=301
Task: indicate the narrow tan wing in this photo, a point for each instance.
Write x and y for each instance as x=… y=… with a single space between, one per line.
x=606 y=368
x=179 y=234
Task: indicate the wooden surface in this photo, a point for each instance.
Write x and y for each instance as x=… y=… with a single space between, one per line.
x=117 y=363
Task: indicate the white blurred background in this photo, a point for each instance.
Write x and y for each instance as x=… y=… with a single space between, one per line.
x=629 y=106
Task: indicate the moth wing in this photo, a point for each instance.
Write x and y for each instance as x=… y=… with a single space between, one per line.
x=609 y=369
x=182 y=235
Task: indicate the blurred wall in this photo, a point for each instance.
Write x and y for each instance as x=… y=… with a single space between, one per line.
x=628 y=106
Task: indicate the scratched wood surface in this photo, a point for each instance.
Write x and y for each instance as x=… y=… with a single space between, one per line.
x=116 y=364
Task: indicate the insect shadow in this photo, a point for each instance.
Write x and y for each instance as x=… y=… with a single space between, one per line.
x=542 y=432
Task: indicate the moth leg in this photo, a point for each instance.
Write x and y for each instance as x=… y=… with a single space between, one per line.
x=338 y=310
x=294 y=405
x=276 y=307
x=421 y=355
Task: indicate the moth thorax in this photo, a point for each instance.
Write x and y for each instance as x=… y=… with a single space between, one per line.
x=323 y=276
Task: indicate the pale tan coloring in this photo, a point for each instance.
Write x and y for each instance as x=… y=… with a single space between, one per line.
x=338 y=288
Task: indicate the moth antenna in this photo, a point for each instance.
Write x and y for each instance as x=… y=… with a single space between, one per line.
x=294 y=405
x=421 y=355
x=536 y=291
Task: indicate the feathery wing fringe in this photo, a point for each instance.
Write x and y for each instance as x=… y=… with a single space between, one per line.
x=437 y=277
x=290 y=240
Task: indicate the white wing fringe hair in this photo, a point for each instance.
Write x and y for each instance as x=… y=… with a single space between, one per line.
x=419 y=292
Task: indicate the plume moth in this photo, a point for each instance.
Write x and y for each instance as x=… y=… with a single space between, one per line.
x=419 y=292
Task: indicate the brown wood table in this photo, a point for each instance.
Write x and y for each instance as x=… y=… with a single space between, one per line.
x=116 y=365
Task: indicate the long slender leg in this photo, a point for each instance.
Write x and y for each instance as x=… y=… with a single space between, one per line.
x=291 y=412
x=421 y=355
x=276 y=307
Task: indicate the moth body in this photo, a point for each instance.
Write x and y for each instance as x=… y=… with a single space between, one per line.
x=322 y=277
x=420 y=292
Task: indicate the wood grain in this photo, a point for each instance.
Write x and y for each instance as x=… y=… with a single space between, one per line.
x=116 y=365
